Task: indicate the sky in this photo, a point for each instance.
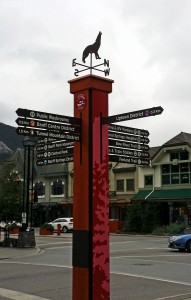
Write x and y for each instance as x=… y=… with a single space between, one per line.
x=147 y=43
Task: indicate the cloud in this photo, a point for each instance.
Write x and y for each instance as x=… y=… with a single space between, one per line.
x=147 y=43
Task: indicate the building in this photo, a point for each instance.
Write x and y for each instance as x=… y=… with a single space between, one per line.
x=168 y=179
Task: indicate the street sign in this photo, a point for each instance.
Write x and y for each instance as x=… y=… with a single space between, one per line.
x=52 y=161
x=53 y=146
x=127 y=152
x=129 y=145
x=127 y=137
x=56 y=153
x=50 y=126
x=130 y=130
x=32 y=114
x=129 y=160
x=153 y=111
x=49 y=134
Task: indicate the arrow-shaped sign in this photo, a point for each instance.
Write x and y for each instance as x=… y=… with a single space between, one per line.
x=49 y=134
x=53 y=146
x=57 y=153
x=33 y=114
x=153 y=111
x=130 y=130
x=50 y=126
x=129 y=160
x=127 y=137
x=127 y=152
x=129 y=145
x=60 y=160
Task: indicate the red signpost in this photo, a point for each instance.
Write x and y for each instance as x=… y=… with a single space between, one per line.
x=90 y=140
x=91 y=194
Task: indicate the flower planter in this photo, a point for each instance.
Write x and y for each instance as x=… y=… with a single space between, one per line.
x=44 y=231
x=14 y=230
x=115 y=225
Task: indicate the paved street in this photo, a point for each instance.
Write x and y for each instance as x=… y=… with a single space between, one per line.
x=142 y=267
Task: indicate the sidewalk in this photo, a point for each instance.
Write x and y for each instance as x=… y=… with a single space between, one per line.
x=14 y=252
x=7 y=253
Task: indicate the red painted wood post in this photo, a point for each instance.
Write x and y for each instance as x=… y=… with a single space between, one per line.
x=91 y=190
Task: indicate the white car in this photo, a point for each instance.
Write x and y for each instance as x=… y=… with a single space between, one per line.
x=65 y=223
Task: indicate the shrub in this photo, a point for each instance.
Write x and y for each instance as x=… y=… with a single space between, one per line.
x=170 y=229
x=175 y=228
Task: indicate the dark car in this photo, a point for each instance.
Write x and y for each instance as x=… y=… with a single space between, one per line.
x=182 y=242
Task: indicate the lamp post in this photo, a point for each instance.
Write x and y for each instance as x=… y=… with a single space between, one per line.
x=29 y=145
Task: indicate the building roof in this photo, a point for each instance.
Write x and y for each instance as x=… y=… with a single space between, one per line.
x=181 y=138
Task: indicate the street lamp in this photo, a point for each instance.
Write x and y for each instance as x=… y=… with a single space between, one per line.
x=29 y=145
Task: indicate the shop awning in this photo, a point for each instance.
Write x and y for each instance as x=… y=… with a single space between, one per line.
x=172 y=194
x=141 y=194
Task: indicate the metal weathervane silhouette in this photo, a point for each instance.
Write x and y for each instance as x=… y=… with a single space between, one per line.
x=90 y=50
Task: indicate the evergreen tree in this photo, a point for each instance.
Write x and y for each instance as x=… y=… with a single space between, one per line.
x=150 y=216
x=10 y=195
x=134 y=218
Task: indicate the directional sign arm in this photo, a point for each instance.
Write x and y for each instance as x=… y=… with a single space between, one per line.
x=33 y=114
x=153 y=111
x=130 y=130
x=129 y=160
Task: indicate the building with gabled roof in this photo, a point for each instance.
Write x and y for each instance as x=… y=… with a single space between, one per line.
x=168 y=179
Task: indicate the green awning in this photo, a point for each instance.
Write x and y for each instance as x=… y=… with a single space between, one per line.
x=141 y=194
x=176 y=194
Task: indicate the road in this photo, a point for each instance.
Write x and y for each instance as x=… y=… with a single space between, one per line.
x=142 y=267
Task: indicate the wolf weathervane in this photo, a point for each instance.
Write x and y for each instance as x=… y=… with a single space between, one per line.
x=89 y=50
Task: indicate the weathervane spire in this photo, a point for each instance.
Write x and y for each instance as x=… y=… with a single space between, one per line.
x=93 y=48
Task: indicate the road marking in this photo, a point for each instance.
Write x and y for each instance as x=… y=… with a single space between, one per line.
x=174 y=296
x=15 y=295
x=59 y=243
x=151 y=278
x=137 y=258
x=35 y=264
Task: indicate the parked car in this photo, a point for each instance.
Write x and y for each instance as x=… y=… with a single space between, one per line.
x=65 y=223
x=182 y=242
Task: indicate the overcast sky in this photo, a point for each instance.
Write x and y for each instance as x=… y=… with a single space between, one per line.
x=148 y=44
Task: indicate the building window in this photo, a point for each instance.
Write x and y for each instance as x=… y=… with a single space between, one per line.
x=183 y=155
x=148 y=180
x=120 y=185
x=165 y=179
x=178 y=173
x=165 y=169
x=57 y=187
x=130 y=184
x=39 y=187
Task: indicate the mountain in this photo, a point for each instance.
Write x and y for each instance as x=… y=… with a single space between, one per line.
x=10 y=138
